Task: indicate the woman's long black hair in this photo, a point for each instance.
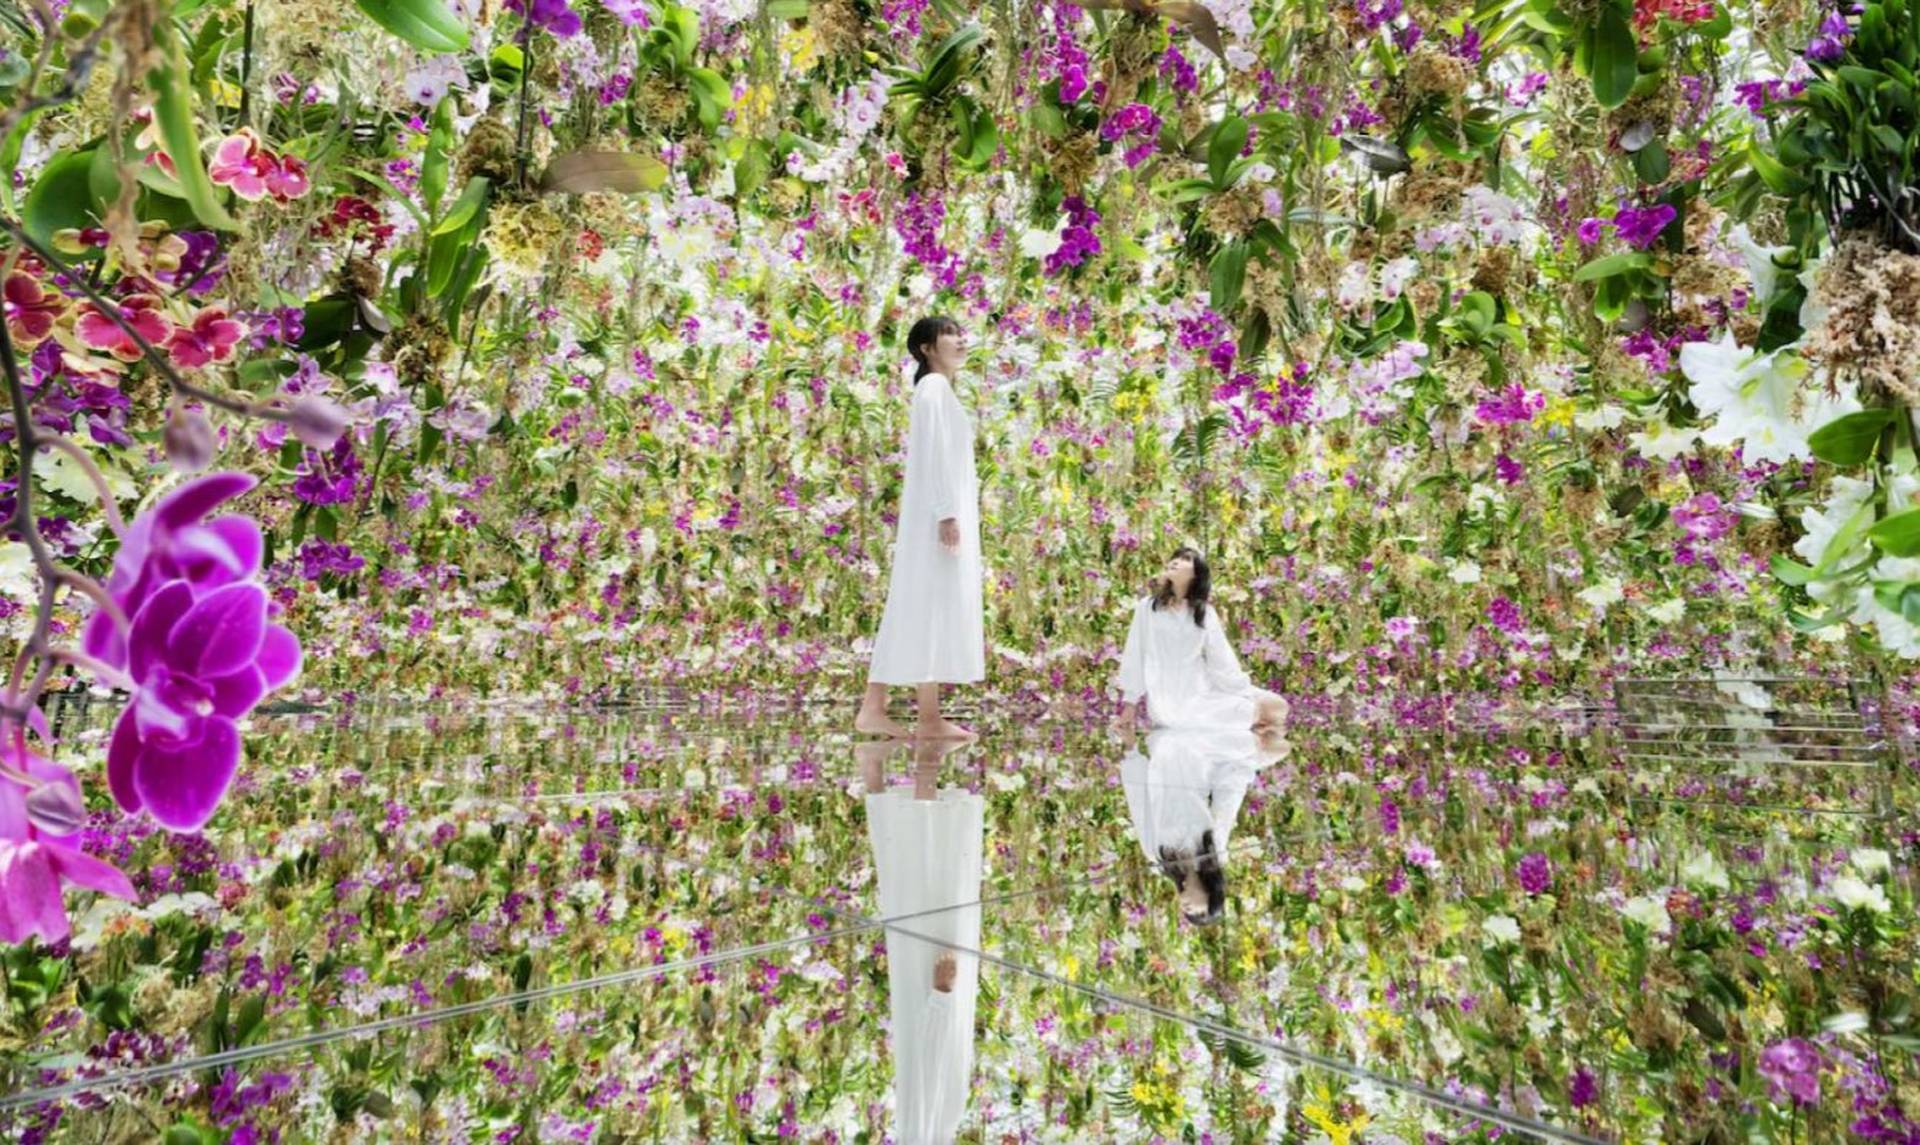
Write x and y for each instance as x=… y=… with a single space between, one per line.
x=923 y=335
x=1196 y=592
x=1204 y=865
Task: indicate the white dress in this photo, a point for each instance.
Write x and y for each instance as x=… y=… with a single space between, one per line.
x=933 y=629
x=1189 y=782
x=927 y=854
x=1189 y=674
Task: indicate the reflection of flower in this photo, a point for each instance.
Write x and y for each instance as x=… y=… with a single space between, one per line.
x=36 y=864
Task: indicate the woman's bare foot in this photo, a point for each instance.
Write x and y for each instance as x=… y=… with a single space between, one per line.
x=940 y=729
x=878 y=724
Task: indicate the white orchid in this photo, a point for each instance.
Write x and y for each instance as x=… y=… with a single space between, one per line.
x=1758 y=400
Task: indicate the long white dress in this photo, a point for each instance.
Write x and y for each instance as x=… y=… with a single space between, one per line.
x=928 y=855
x=933 y=630
x=1189 y=782
x=1188 y=673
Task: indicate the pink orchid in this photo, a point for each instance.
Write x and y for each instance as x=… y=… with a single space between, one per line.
x=288 y=178
x=35 y=865
x=142 y=312
x=30 y=309
x=240 y=162
x=210 y=337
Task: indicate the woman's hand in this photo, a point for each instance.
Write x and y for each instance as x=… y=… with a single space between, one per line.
x=950 y=534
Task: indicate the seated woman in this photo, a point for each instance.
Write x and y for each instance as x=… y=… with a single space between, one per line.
x=1178 y=660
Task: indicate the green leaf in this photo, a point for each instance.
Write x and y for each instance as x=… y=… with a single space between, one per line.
x=61 y=198
x=471 y=199
x=1614 y=57
x=1849 y=440
x=1843 y=541
x=426 y=24
x=624 y=171
x=173 y=114
x=434 y=164
x=1773 y=173
x=1607 y=266
x=1790 y=572
x=1898 y=535
x=1229 y=139
x=1652 y=163
x=1228 y=275
x=711 y=94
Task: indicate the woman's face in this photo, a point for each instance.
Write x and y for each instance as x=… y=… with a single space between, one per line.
x=1178 y=574
x=1193 y=895
x=947 y=353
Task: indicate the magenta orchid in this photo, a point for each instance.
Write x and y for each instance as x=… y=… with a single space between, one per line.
x=210 y=337
x=141 y=311
x=201 y=651
x=35 y=864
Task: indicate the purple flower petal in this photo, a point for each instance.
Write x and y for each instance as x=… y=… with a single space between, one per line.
x=182 y=781
x=191 y=503
x=234 y=695
x=219 y=552
x=82 y=869
x=29 y=894
x=147 y=642
x=222 y=633
x=280 y=656
x=103 y=642
x=123 y=752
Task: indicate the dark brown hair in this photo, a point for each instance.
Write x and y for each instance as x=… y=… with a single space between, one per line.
x=1197 y=592
x=924 y=334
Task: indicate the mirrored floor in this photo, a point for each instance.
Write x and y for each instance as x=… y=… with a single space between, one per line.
x=659 y=923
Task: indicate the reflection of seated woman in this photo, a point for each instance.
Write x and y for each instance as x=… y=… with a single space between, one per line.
x=1184 y=795
x=927 y=850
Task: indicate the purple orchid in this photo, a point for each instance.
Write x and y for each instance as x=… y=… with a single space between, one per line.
x=35 y=863
x=200 y=653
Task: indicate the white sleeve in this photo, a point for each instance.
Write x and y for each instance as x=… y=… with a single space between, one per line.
x=1132 y=679
x=1223 y=667
x=934 y=427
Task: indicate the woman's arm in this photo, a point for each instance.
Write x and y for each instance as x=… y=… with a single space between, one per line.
x=1223 y=667
x=933 y=413
x=1132 y=677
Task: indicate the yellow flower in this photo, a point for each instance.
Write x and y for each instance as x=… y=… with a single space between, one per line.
x=1320 y=1112
x=1559 y=412
x=803 y=50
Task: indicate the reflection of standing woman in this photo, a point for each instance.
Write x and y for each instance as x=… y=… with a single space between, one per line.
x=928 y=850
x=932 y=632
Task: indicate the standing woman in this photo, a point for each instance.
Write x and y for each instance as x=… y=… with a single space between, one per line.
x=932 y=632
